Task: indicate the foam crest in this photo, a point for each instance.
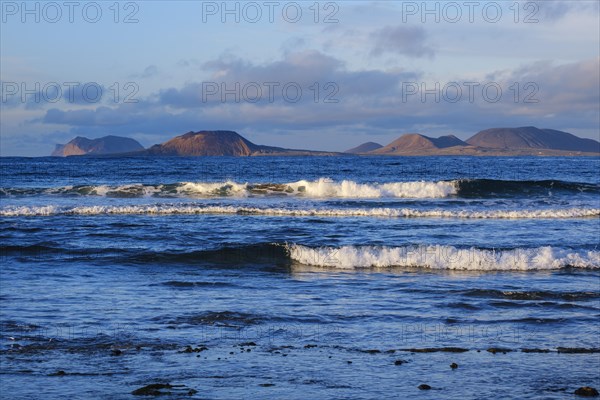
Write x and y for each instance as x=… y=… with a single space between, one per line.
x=222 y=189
x=24 y=211
x=166 y=209
x=320 y=188
x=443 y=257
x=324 y=187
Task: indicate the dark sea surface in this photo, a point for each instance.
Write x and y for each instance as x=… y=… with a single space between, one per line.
x=299 y=277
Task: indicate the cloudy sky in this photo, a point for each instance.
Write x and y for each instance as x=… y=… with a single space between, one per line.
x=316 y=75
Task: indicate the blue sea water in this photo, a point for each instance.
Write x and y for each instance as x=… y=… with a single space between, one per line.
x=299 y=277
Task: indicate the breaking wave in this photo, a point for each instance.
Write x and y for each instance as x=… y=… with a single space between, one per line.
x=183 y=209
x=320 y=188
x=351 y=257
x=444 y=257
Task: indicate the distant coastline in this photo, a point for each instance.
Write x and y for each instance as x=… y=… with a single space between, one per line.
x=523 y=141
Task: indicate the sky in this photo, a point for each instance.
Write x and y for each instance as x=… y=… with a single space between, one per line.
x=318 y=75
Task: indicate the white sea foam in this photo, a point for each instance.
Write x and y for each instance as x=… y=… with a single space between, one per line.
x=174 y=209
x=443 y=257
x=24 y=211
x=202 y=189
x=320 y=188
x=421 y=189
x=323 y=188
x=128 y=190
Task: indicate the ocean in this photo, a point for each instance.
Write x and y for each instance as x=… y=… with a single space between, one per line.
x=299 y=277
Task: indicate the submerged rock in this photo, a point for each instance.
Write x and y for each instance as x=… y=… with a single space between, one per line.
x=160 y=389
x=424 y=386
x=371 y=351
x=116 y=352
x=438 y=349
x=454 y=365
x=586 y=391
x=495 y=350
x=535 y=350
x=154 y=389
x=190 y=349
x=577 y=350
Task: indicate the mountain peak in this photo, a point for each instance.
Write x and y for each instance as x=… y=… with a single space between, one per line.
x=105 y=145
x=415 y=143
x=530 y=137
x=205 y=143
x=219 y=143
x=364 y=148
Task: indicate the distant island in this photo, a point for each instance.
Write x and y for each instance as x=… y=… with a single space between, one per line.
x=105 y=145
x=364 y=148
x=522 y=141
x=220 y=143
x=416 y=144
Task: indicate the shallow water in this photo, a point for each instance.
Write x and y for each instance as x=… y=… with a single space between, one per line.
x=300 y=277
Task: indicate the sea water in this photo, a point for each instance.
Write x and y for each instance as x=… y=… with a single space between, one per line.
x=299 y=277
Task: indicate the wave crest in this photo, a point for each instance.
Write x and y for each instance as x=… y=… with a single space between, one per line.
x=320 y=188
x=443 y=257
x=183 y=209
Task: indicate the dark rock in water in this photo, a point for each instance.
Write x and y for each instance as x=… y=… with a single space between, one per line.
x=246 y=344
x=495 y=350
x=349 y=362
x=266 y=384
x=153 y=389
x=535 y=350
x=424 y=386
x=439 y=349
x=454 y=365
x=577 y=350
x=190 y=349
x=310 y=346
x=160 y=389
x=586 y=391
x=372 y=351
x=60 y=372
x=116 y=352
x=400 y=362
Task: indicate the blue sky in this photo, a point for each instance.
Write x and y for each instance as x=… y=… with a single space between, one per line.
x=288 y=76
